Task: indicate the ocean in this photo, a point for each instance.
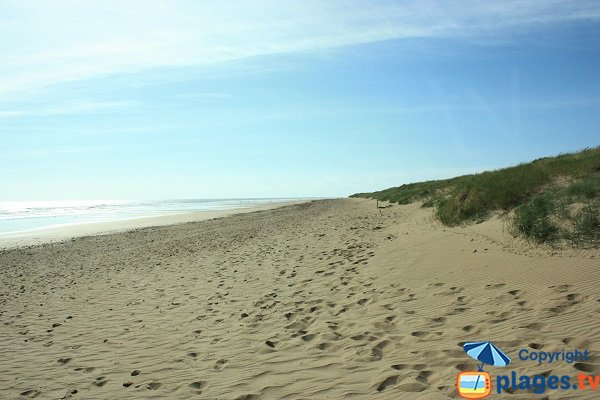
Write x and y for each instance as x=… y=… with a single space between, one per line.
x=22 y=216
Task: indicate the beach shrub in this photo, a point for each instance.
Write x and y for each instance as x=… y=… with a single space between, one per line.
x=533 y=219
x=571 y=213
x=586 y=226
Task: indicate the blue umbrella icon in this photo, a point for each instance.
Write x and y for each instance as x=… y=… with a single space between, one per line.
x=486 y=353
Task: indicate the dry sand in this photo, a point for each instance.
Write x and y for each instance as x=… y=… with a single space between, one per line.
x=324 y=300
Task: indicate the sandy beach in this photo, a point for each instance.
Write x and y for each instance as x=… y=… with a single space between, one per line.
x=328 y=299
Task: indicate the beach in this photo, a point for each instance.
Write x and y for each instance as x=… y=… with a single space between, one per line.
x=327 y=299
x=118 y=221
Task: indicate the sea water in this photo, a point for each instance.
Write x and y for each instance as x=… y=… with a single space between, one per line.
x=23 y=216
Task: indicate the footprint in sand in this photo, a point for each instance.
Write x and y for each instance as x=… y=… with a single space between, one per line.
x=365 y=336
x=463 y=366
x=70 y=393
x=222 y=363
x=574 y=297
x=535 y=326
x=421 y=334
x=301 y=332
x=561 y=288
x=562 y=307
x=415 y=367
x=577 y=342
x=86 y=370
x=31 y=393
x=100 y=381
x=324 y=346
x=495 y=286
x=153 y=385
x=309 y=337
x=387 y=382
x=377 y=350
x=197 y=386
x=501 y=317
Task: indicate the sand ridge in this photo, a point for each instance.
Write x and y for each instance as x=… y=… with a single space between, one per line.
x=327 y=299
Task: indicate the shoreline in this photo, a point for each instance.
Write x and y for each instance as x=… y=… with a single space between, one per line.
x=60 y=233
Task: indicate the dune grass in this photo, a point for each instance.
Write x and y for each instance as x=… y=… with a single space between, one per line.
x=553 y=197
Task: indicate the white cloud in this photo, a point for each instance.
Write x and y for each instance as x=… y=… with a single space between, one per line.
x=73 y=107
x=49 y=42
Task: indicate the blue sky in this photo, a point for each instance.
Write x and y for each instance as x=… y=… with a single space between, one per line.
x=178 y=99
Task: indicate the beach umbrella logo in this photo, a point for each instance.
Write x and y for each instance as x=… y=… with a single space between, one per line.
x=478 y=384
x=486 y=353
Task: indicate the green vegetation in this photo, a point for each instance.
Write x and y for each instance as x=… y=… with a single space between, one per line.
x=553 y=198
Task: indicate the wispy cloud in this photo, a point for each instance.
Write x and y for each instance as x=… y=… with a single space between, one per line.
x=73 y=107
x=62 y=40
x=49 y=152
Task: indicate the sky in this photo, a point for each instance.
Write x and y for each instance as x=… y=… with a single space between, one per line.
x=227 y=99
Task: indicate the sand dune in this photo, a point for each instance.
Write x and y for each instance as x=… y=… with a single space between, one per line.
x=323 y=300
